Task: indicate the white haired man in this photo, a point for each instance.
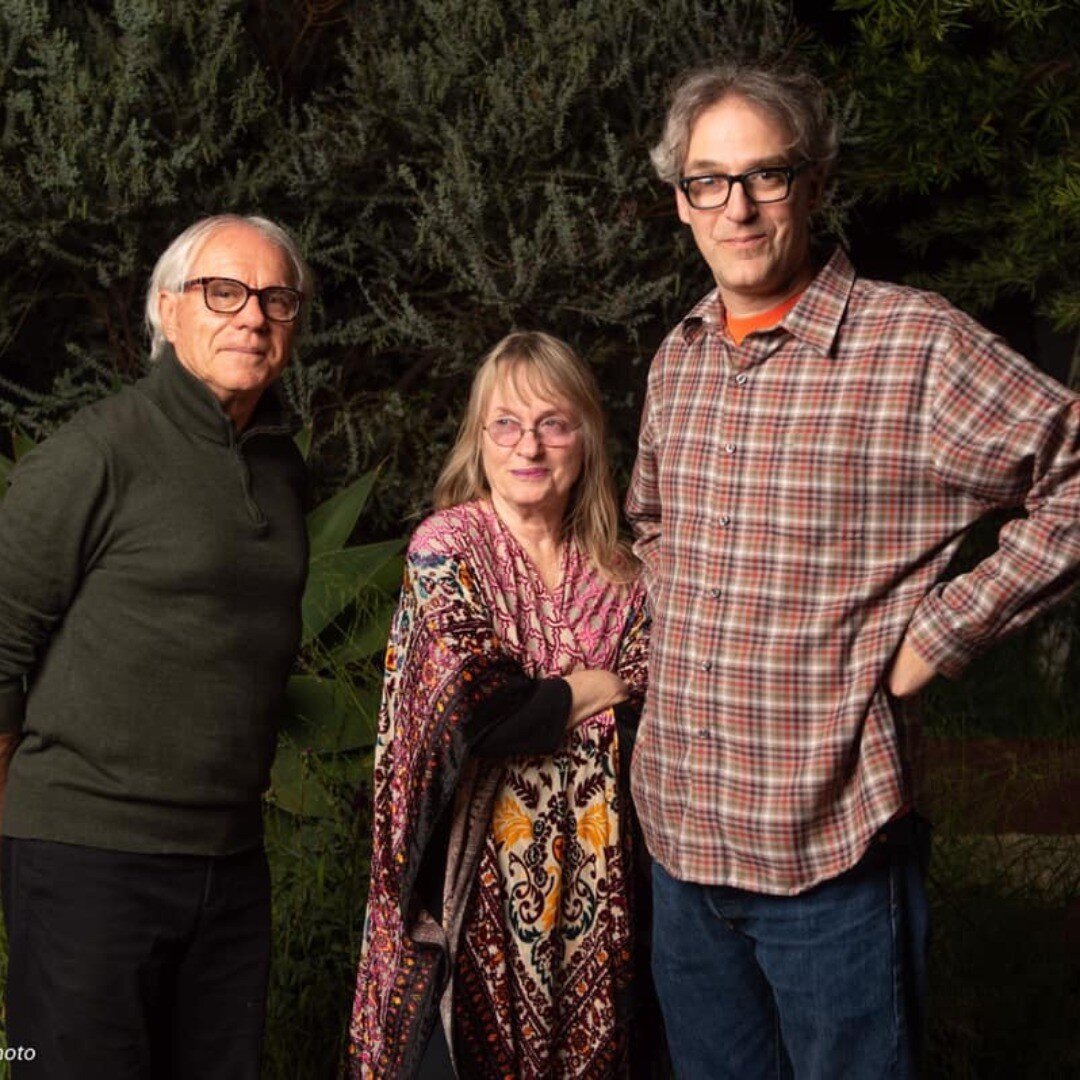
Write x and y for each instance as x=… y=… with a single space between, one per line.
x=813 y=448
x=155 y=556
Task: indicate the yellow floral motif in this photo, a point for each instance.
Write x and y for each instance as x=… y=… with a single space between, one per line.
x=551 y=905
x=511 y=823
x=593 y=826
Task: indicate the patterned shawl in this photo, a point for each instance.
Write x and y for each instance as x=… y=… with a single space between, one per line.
x=531 y=956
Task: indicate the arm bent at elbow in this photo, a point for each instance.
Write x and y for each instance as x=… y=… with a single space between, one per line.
x=593 y=691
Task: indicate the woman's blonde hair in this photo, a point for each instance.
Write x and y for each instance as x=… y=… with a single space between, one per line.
x=549 y=368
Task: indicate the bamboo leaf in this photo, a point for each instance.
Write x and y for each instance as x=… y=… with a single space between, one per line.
x=294 y=789
x=303 y=441
x=330 y=524
x=327 y=714
x=335 y=578
x=21 y=444
x=367 y=640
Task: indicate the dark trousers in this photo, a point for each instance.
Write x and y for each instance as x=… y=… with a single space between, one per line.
x=134 y=967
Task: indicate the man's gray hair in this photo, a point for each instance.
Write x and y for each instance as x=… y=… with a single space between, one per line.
x=793 y=95
x=174 y=266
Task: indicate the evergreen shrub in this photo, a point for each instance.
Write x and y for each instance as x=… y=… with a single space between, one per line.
x=453 y=168
x=458 y=168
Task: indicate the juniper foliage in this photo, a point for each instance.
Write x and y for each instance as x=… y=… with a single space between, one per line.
x=968 y=111
x=483 y=166
x=454 y=168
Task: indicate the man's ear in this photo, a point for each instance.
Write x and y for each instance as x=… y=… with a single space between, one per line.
x=682 y=206
x=168 y=302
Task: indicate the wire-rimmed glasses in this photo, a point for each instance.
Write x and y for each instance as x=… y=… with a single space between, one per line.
x=552 y=431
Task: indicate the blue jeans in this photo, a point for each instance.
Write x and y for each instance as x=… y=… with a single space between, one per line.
x=828 y=984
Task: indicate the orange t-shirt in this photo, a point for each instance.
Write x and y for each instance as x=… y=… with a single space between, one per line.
x=741 y=325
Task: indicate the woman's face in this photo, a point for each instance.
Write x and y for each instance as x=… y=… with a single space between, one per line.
x=530 y=477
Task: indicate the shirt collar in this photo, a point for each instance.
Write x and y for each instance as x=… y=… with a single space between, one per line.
x=192 y=406
x=815 y=319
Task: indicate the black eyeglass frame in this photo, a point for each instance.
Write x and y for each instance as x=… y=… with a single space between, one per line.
x=249 y=292
x=789 y=173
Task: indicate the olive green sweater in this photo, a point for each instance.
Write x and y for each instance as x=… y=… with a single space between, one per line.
x=151 y=569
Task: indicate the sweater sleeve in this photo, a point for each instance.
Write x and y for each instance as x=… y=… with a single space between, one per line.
x=53 y=521
x=1008 y=435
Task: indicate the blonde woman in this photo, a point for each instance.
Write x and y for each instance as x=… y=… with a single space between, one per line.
x=500 y=929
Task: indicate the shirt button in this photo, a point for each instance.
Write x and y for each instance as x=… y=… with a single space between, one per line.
x=725 y=521
x=703 y=733
x=730 y=448
x=714 y=593
x=740 y=379
x=706 y=666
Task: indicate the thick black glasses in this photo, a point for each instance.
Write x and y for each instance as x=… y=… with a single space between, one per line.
x=227 y=296
x=711 y=191
x=554 y=431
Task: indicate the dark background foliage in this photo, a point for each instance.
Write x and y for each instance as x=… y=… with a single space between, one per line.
x=456 y=168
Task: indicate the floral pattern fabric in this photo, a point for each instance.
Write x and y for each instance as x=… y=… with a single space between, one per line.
x=530 y=958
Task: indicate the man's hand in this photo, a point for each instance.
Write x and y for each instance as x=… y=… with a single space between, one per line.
x=910 y=672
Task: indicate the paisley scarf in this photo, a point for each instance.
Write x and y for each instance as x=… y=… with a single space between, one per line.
x=528 y=964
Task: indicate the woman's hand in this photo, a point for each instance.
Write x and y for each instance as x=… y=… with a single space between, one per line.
x=593 y=691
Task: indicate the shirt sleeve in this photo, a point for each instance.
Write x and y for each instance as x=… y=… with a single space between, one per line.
x=643 y=509
x=1007 y=435
x=53 y=521
x=632 y=666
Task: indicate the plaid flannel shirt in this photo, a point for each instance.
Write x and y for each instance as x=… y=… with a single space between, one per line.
x=796 y=501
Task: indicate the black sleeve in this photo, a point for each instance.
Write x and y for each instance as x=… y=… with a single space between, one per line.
x=534 y=717
x=533 y=722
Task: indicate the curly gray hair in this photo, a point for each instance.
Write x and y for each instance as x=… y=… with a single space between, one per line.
x=793 y=95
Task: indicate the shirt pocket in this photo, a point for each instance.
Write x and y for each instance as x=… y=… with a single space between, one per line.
x=817 y=491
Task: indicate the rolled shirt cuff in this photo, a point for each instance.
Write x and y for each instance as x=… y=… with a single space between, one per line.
x=932 y=634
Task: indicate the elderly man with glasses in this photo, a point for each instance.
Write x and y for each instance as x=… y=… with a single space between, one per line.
x=813 y=448
x=154 y=559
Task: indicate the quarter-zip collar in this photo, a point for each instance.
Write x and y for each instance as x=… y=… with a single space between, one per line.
x=190 y=404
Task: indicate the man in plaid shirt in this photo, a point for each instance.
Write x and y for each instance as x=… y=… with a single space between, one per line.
x=813 y=448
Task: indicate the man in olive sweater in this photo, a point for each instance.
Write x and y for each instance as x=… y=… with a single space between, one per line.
x=154 y=559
